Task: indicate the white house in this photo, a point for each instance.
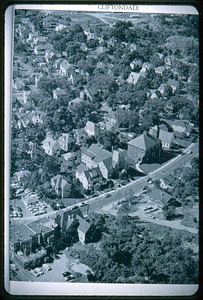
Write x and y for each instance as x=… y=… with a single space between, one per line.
x=91 y=128
x=167 y=139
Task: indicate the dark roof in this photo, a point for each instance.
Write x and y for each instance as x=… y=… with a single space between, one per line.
x=84 y=225
x=168 y=179
x=160 y=195
x=95 y=148
x=103 y=155
x=41 y=225
x=144 y=141
x=166 y=136
x=81 y=168
x=20 y=233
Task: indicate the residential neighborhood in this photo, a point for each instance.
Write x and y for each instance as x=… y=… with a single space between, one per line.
x=104 y=148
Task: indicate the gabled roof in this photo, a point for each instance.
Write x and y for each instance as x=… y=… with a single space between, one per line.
x=103 y=155
x=107 y=163
x=166 y=136
x=168 y=179
x=95 y=148
x=160 y=195
x=144 y=141
x=65 y=65
x=163 y=127
x=81 y=168
x=84 y=225
x=173 y=82
x=90 y=126
x=66 y=137
x=179 y=123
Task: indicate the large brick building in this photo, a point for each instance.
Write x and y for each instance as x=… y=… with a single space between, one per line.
x=143 y=148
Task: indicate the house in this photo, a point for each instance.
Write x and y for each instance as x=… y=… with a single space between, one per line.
x=154 y=131
x=163 y=199
x=82 y=229
x=73 y=103
x=72 y=219
x=36 y=150
x=91 y=129
x=51 y=146
x=80 y=174
x=49 y=55
x=18 y=84
x=167 y=182
x=79 y=135
x=40 y=40
x=61 y=186
x=66 y=141
x=179 y=125
x=59 y=94
x=106 y=167
x=144 y=147
x=64 y=67
x=88 y=177
x=40 y=50
x=119 y=158
x=155 y=94
x=70 y=156
x=57 y=63
x=38 y=117
x=111 y=120
x=60 y=27
x=89 y=32
x=167 y=138
x=95 y=156
x=174 y=84
x=133 y=77
x=163 y=127
x=159 y=70
x=21 y=174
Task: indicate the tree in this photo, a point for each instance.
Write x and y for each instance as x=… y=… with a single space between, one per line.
x=108 y=139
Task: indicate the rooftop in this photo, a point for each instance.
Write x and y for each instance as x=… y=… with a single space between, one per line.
x=144 y=141
x=42 y=225
x=81 y=168
x=20 y=233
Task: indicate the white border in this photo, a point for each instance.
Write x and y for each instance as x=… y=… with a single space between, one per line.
x=78 y=289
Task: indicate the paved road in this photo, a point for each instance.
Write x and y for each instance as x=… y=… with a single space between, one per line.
x=95 y=204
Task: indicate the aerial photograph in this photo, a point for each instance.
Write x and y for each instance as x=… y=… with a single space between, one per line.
x=104 y=169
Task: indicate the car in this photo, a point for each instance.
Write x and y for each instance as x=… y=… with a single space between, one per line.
x=35 y=273
x=15 y=215
x=14 y=267
x=144 y=188
x=83 y=204
x=189 y=152
x=70 y=277
x=75 y=207
x=47 y=267
x=38 y=270
x=19 y=209
x=107 y=196
x=20 y=215
x=149 y=180
x=66 y=273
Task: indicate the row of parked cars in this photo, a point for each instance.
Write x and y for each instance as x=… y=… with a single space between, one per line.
x=38 y=208
x=38 y=271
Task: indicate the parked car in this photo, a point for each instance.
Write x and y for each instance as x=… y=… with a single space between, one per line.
x=107 y=196
x=35 y=273
x=19 y=209
x=66 y=273
x=70 y=277
x=38 y=270
x=20 y=215
x=14 y=267
x=47 y=267
x=83 y=204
